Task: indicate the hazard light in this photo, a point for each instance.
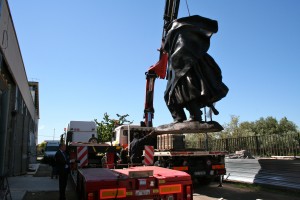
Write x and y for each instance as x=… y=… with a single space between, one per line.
x=112 y=193
x=218 y=166
x=170 y=189
x=91 y=196
x=183 y=168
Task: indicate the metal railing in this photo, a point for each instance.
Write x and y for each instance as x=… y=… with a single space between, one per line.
x=267 y=145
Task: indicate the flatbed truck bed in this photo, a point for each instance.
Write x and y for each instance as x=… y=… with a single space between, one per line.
x=148 y=182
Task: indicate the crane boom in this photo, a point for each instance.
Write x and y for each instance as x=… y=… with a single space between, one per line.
x=158 y=69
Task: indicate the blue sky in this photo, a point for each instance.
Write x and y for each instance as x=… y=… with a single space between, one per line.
x=90 y=57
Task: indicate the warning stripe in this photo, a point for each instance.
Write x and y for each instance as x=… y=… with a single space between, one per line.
x=149 y=155
x=82 y=155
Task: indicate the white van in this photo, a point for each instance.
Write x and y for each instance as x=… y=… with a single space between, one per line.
x=50 y=150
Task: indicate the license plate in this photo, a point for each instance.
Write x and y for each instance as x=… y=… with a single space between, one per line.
x=200 y=173
x=142 y=192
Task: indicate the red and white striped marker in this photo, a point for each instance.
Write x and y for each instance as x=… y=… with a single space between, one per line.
x=82 y=155
x=149 y=155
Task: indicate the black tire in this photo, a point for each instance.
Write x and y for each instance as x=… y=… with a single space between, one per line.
x=206 y=180
x=93 y=140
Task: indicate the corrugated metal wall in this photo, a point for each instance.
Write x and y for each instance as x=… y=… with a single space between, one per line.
x=281 y=173
x=16 y=125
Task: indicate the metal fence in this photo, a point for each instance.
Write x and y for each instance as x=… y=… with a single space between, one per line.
x=262 y=170
x=267 y=145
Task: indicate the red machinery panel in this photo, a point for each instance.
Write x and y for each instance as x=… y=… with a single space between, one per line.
x=149 y=182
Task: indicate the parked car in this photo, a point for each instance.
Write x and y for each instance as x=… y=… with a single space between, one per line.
x=50 y=150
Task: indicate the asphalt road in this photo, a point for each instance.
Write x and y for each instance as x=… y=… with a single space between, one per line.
x=229 y=191
x=236 y=191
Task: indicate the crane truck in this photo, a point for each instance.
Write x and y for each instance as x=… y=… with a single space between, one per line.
x=170 y=178
x=171 y=149
x=96 y=176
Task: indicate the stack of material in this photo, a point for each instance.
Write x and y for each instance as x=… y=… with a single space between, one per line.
x=242 y=154
x=171 y=141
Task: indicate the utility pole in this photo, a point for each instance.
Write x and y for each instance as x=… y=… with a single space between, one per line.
x=53 y=133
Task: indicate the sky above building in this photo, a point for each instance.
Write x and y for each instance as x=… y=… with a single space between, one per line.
x=90 y=57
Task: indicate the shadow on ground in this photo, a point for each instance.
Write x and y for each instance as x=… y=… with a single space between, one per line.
x=44 y=170
x=49 y=195
x=238 y=191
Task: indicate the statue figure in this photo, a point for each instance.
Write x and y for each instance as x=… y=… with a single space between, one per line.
x=194 y=78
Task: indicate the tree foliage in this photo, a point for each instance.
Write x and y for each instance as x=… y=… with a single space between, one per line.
x=41 y=147
x=263 y=126
x=107 y=125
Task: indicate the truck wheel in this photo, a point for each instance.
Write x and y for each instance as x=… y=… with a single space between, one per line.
x=204 y=180
x=93 y=140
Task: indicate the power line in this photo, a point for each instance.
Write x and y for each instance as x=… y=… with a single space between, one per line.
x=187 y=6
x=45 y=136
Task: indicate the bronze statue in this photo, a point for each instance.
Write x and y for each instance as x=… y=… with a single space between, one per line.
x=194 y=78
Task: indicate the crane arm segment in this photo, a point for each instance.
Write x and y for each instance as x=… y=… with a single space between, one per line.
x=159 y=69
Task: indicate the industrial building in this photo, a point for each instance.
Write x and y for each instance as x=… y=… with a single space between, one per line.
x=19 y=103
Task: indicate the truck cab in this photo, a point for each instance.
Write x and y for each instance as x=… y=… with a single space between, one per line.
x=81 y=131
x=123 y=134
